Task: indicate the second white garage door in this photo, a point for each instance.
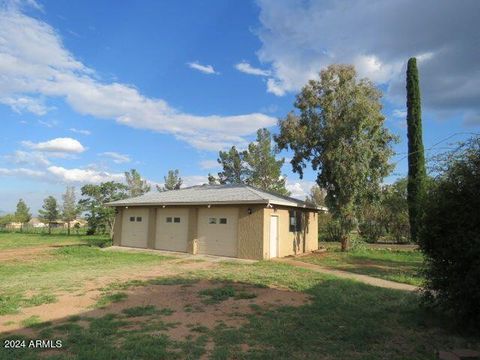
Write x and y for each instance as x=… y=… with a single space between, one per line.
x=217 y=231
x=172 y=229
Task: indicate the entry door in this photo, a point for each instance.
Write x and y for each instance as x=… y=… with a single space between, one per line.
x=273 y=236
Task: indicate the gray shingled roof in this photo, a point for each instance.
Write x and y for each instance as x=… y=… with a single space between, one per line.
x=212 y=194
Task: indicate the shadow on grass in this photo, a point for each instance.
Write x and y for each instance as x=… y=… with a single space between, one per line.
x=344 y=320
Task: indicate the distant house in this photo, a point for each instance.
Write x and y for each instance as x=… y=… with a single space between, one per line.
x=80 y=222
x=14 y=225
x=228 y=220
x=36 y=223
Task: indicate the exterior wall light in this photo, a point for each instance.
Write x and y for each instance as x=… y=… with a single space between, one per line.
x=249 y=210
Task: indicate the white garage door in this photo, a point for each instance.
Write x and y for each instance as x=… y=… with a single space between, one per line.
x=217 y=231
x=172 y=229
x=135 y=227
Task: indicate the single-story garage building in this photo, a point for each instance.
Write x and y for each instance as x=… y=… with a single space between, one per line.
x=226 y=220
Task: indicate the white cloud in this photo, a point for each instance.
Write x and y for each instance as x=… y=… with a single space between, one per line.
x=249 y=69
x=83 y=175
x=81 y=131
x=116 y=157
x=34 y=61
x=300 y=38
x=48 y=123
x=60 y=145
x=399 y=113
x=21 y=172
x=209 y=164
x=28 y=158
x=193 y=180
x=20 y=104
x=206 y=69
x=300 y=188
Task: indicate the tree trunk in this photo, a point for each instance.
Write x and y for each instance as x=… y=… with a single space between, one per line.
x=68 y=228
x=344 y=243
x=49 y=228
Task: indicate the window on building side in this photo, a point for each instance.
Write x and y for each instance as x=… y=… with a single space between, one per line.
x=139 y=218
x=176 y=220
x=212 y=220
x=295 y=220
x=132 y=218
x=169 y=219
x=223 y=220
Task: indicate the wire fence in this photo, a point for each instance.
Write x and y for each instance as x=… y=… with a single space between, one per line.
x=44 y=230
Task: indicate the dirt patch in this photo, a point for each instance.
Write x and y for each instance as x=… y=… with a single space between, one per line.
x=23 y=254
x=175 y=297
x=27 y=253
x=181 y=310
x=190 y=309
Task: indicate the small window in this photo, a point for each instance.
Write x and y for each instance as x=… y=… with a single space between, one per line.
x=139 y=218
x=212 y=220
x=132 y=218
x=295 y=220
x=292 y=221
x=169 y=219
x=176 y=220
x=223 y=221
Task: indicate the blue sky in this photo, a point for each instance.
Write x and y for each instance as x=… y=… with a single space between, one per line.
x=91 y=89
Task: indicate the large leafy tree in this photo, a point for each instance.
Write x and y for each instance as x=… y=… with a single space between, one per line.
x=264 y=170
x=70 y=210
x=256 y=166
x=135 y=184
x=49 y=212
x=22 y=214
x=316 y=196
x=94 y=197
x=173 y=181
x=212 y=180
x=417 y=175
x=340 y=131
x=6 y=219
x=234 y=168
x=394 y=207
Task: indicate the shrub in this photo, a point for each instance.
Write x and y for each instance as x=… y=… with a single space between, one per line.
x=450 y=235
x=332 y=231
x=371 y=226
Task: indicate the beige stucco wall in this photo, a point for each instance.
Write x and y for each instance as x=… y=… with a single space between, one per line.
x=253 y=231
x=291 y=243
x=117 y=228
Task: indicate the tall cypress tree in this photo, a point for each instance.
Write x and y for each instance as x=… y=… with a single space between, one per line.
x=416 y=157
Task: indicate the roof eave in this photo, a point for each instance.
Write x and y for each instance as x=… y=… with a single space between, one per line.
x=178 y=203
x=239 y=202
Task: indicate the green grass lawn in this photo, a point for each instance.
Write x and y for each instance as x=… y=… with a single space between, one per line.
x=345 y=320
x=10 y=240
x=396 y=265
x=61 y=269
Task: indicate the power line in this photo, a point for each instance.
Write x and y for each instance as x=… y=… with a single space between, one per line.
x=434 y=145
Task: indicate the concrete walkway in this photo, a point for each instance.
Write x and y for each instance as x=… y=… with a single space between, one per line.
x=348 y=275
x=181 y=255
